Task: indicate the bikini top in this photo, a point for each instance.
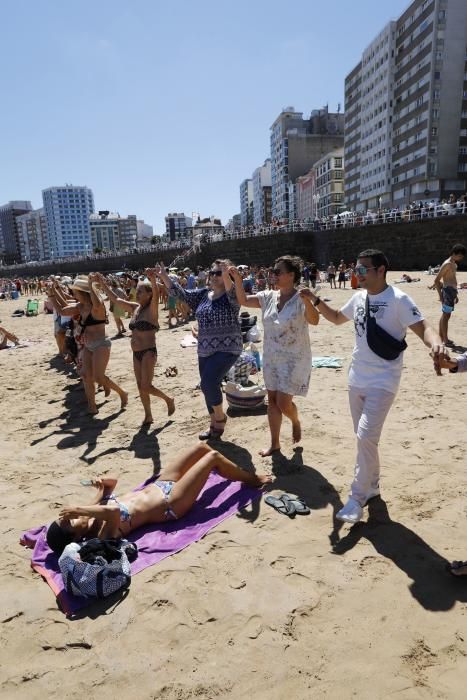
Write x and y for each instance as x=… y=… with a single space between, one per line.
x=91 y=321
x=142 y=325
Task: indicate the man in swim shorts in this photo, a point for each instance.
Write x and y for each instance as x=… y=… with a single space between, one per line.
x=446 y=285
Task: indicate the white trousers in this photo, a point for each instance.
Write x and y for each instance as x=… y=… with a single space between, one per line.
x=369 y=408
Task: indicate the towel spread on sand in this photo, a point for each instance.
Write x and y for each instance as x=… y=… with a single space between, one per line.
x=218 y=500
x=333 y=362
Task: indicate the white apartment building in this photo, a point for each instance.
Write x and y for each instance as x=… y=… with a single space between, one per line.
x=246 y=202
x=376 y=110
x=329 y=184
x=406 y=109
x=105 y=232
x=33 y=239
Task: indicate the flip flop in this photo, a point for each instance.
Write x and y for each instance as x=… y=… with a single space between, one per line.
x=300 y=506
x=281 y=506
x=454 y=566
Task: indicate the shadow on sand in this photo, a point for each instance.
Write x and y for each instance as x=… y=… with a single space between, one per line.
x=431 y=585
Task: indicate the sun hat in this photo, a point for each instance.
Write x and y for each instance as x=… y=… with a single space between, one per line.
x=81 y=283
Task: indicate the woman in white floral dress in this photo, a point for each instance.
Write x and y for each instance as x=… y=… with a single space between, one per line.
x=286 y=347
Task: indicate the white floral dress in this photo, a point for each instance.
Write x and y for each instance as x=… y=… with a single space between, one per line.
x=286 y=345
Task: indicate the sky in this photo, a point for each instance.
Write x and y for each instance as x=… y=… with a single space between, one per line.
x=165 y=106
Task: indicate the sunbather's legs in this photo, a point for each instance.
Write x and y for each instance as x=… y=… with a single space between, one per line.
x=186 y=490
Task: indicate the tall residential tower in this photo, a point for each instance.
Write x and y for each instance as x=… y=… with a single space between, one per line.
x=67 y=210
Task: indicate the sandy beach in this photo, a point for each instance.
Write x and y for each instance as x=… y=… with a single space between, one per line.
x=263 y=606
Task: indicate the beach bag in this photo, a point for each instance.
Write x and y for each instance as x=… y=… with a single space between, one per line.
x=379 y=341
x=244 y=397
x=244 y=365
x=97 y=580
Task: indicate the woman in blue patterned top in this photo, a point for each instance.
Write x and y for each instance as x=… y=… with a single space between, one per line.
x=219 y=335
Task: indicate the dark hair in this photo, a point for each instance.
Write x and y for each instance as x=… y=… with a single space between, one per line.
x=58 y=538
x=223 y=261
x=292 y=264
x=458 y=249
x=378 y=258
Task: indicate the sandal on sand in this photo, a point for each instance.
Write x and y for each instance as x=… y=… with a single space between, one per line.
x=213 y=433
x=300 y=506
x=171 y=372
x=454 y=566
x=281 y=506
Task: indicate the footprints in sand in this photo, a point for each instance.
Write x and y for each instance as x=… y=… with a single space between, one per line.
x=419 y=658
x=377 y=567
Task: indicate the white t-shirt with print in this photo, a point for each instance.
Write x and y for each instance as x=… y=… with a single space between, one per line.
x=394 y=311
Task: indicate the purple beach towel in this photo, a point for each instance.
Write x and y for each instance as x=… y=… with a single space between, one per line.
x=218 y=500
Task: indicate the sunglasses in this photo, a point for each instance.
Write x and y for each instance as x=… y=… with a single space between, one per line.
x=215 y=273
x=363 y=269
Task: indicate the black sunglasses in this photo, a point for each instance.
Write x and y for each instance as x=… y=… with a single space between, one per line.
x=215 y=273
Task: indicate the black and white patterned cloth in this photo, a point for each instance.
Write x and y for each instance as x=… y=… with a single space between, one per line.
x=218 y=324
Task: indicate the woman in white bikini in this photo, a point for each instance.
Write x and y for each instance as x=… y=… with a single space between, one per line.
x=169 y=498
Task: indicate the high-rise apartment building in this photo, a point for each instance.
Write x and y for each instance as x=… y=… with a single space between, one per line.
x=296 y=145
x=9 y=241
x=33 y=238
x=105 y=233
x=406 y=109
x=246 y=202
x=329 y=195
x=67 y=210
x=261 y=183
x=176 y=225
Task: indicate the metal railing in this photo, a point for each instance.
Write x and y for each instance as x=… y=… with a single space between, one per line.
x=346 y=220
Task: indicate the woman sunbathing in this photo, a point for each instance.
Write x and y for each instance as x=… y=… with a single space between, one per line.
x=168 y=498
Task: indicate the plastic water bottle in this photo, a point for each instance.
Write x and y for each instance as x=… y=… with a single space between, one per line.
x=256 y=355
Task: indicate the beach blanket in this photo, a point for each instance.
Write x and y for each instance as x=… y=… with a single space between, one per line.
x=333 y=362
x=218 y=500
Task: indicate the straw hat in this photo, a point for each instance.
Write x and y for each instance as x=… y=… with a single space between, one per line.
x=81 y=284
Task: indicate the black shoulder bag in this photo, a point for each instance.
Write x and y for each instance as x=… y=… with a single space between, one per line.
x=379 y=341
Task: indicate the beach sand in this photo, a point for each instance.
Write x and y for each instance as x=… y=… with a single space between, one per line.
x=263 y=606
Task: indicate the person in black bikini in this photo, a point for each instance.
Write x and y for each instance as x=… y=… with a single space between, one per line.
x=143 y=324
x=96 y=351
x=170 y=497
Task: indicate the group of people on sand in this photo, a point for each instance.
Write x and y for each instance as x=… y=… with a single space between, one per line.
x=381 y=315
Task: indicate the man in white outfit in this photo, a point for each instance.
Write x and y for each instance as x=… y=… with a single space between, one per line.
x=373 y=380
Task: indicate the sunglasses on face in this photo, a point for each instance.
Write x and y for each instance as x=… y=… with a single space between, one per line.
x=215 y=273
x=362 y=269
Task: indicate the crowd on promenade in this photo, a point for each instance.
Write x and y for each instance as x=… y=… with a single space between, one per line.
x=416 y=211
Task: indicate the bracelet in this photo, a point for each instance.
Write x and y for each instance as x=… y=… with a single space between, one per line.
x=317 y=301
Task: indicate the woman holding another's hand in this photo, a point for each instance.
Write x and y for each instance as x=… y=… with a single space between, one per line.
x=219 y=335
x=287 y=312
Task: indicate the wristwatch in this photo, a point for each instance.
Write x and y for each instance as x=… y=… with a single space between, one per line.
x=317 y=301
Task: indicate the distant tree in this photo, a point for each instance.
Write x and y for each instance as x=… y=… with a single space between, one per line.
x=97 y=249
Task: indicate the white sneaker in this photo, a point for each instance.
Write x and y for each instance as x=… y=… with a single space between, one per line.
x=352 y=512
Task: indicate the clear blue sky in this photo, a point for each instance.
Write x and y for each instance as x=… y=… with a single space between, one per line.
x=164 y=106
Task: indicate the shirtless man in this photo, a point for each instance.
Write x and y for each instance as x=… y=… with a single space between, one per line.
x=446 y=285
x=341 y=270
x=332 y=275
